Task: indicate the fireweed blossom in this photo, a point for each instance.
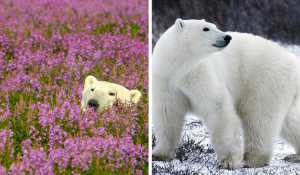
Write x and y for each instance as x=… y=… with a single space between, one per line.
x=47 y=48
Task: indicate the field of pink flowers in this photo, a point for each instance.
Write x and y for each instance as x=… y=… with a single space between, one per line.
x=47 y=48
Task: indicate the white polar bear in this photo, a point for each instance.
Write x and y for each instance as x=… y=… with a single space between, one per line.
x=251 y=79
x=101 y=94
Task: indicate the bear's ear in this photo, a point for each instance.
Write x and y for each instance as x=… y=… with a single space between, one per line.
x=135 y=96
x=179 y=23
x=203 y=20
x=89 y=80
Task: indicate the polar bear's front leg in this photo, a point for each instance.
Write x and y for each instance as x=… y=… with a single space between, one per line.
x=222 y=122
x=167 y=129
x=169 y=109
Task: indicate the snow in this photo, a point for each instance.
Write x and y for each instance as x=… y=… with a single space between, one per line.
x=196 y=155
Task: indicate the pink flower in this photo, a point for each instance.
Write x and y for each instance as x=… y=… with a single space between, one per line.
x=47 y=49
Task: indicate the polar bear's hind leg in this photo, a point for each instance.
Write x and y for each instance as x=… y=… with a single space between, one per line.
x=261 y=119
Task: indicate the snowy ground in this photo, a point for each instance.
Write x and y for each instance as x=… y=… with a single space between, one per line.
x=196 y=155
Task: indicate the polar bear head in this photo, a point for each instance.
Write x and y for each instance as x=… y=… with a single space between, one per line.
x=186 y=43
x=101 y=94
x=200 y=37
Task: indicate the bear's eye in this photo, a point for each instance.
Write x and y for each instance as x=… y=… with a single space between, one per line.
x=206 y=29
x=92 y=89
x=111 y=94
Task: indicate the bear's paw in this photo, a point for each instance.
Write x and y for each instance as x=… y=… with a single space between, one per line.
x=161 y=155
x=230 y=163
x=255 y=160
x=294 y=158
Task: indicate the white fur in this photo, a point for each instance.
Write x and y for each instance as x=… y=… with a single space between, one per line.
x=252 y=79
x=100 y=91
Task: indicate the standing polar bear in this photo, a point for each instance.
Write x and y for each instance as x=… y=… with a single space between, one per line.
x=101 y=94
x=224 y=78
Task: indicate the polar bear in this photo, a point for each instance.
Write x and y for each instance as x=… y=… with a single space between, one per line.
x=225 y=78
x=101 y=94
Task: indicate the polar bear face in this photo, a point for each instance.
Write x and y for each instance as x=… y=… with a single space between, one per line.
x=200 y=37
x=102 y=94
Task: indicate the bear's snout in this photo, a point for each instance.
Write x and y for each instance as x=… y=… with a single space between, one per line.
x=227 y=39
x=223 y=42
x=93 y=103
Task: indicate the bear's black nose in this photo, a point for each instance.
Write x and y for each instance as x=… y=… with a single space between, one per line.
x=93 y=103
x=227 y=39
